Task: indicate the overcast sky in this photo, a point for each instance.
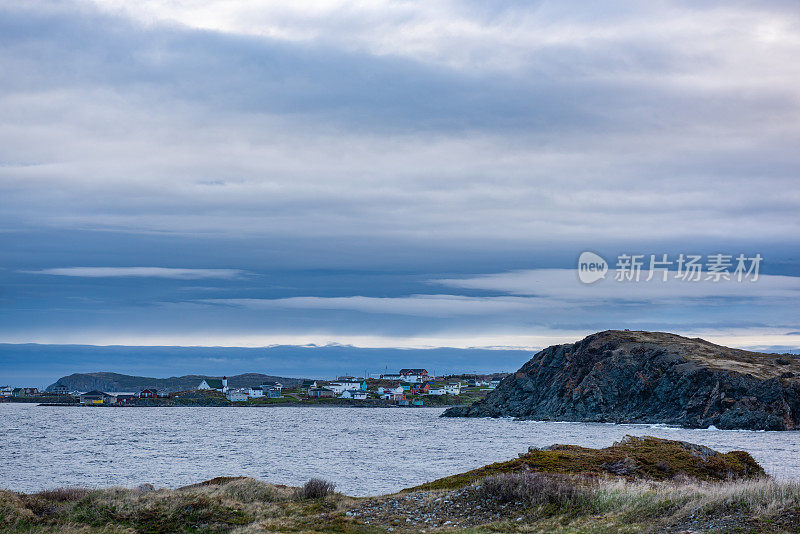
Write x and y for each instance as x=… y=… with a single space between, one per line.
x=393 y=174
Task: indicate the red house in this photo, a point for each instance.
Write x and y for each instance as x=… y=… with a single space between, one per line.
x=148 y=394
x=421 y=389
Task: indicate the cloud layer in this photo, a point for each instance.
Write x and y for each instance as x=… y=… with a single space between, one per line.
x=455 y=120
x=146 y=272
x=392 y=173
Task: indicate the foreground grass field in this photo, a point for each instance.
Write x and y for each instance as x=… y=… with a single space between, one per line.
x=510 y=499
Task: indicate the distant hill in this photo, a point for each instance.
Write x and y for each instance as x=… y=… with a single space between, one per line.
x=119 y=382
x=30 y=364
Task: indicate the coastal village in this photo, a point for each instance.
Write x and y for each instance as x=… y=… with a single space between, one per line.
x=406 y=387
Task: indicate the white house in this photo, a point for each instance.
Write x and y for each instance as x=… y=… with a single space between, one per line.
x=255 y=392
x=454 y=388
x=437 y=391
x=215 y=384
x=237 y=395
x=356 y=394
x=6 y=391
x=341 y=387
x=414 y=375
x=398 y=390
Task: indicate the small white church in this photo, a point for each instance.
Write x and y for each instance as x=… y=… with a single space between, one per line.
x=215 y=383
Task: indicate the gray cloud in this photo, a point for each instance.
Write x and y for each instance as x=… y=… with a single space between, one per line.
x=454 y=137
x=415 y=305
x=564 y=284
x=599 y=121
x=139 y=272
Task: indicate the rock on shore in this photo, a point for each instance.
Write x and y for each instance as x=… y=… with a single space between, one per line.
x=650 y=377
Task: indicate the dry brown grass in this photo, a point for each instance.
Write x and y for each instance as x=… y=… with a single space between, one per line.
x=536 y=503
x=316 y=488
x=706 y=505
x=528 y=488
x=757 y=364
x=63 y=494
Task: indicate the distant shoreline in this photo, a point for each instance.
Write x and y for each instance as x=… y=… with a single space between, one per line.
x=241 y=405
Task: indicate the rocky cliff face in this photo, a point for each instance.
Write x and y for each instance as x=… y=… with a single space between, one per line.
x=650 y=377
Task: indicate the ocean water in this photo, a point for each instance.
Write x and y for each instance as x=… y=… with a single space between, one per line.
x=365 y=451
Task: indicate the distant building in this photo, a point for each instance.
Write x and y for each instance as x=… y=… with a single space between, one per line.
x=453 y=388
x=391 y=376
x=321 y=392
x=271 y=385
x=148 y=394
x=270 y=391
x=124 y=398
x=24 y=392
x=414 y=375
x=352 y=382
x=60 y=389
x=356 y=394
x=308 y=384
x=340 y=387
x=236 y=395
x=391 y=389
x=407 y=375
x=215 y=384
x=97 y=397
x=6 y=391
x=421 y=389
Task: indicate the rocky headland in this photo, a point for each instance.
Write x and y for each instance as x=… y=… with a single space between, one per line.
x=650 y=377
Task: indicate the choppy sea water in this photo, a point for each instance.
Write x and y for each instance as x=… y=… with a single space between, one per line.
x=365 y=451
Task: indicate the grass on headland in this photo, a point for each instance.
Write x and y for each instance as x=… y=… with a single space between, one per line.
x=538 y=504
x=761 y=505
x=637 y=485
x=622 y=506
x=220 y=505
x=634 y=458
